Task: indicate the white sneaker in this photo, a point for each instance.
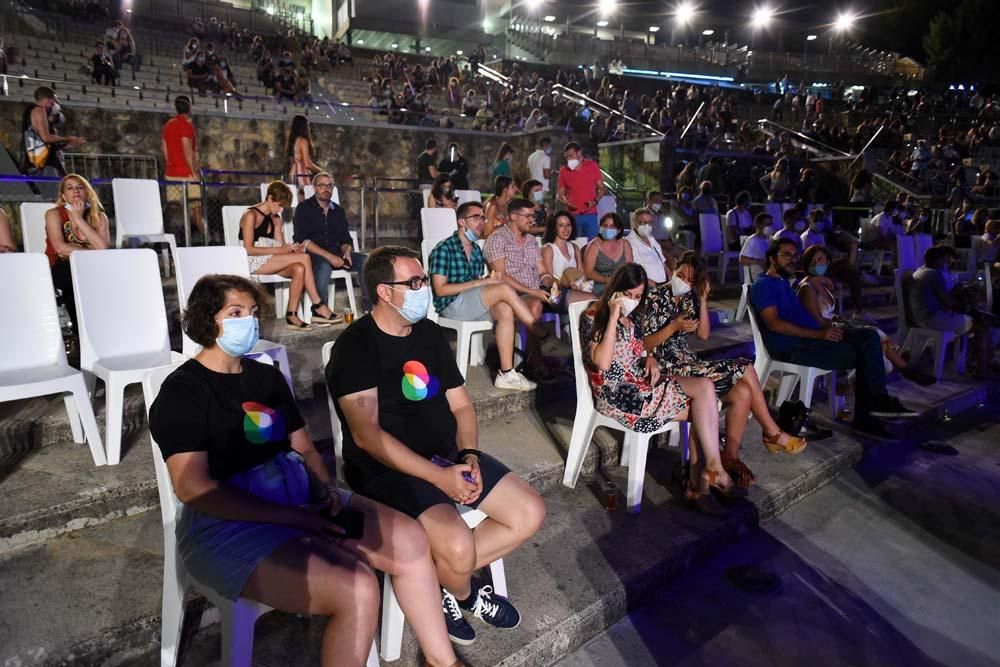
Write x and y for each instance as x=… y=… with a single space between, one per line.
x=514 y=381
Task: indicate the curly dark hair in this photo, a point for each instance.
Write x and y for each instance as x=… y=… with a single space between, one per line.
x=207 y=298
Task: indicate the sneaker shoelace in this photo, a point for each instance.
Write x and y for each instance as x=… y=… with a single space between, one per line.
x=483 y=604
x=450 y=606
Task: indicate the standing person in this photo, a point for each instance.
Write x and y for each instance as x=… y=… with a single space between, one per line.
x=77 y=222
x=739 y=222
x=456 y=267
x=540 y=163
x=260 y=506
x=455 y=166
x=580 y=188
x=777 y=183
x=427 y=169
x=501 y=166
x=321 y=229
x=299 y=149
x=179 y=144
x=268 y=254
x=402 y=398
x=606 y=253
x=42 y=147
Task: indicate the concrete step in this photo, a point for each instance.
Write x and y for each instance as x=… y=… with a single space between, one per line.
x=581 y=573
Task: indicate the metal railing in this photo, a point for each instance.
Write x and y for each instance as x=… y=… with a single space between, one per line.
x=112 y=165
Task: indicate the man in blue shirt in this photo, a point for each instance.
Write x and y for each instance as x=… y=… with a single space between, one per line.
x=792 y=335
x=321 y=228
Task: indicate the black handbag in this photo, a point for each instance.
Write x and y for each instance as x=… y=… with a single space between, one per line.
x=792 y=416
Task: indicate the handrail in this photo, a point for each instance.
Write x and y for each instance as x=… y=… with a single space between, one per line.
x=577 y=96
x=870 y=142
x=694 y=117
x=805 y=139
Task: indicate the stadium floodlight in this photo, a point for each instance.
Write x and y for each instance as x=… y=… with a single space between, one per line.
x=708 y=32
x=359 y=42
x=654 y=28
x=810 y=38
x=762 y=17
x=606 y=7
x=395 y=45
x=684 y=13
x=549 y=18
x=602 y=24
x=845 y=21
x=459 y=52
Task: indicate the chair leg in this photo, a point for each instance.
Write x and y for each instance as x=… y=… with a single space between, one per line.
x=636 y=470
x=499 y=577
x=477 y=349
x=392 y=622
x=806 y=386
x=741 y=309
x=172 y=613
x=939 y=350
x=114 y=395
x=683 y=429
x=833 y=395
x=373 y=656
x=961 y=352
x=85 y=412
x=280 y=301
x=350 y=295
x=579 y=441
x=69 y=400
x=626 y=448
x=788 y=381
x=463 y=343
x=237 y=633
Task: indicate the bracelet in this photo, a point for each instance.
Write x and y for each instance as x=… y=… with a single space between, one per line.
x=465 y=452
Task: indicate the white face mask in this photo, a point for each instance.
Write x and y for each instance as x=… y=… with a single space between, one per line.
x=628 y=304
x=656 y=207
x=572 y=164
x=644 y=230
x=678 y=286
x=800 y=226
x=769 y=230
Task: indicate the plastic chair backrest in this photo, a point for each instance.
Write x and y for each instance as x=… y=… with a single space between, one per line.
x=760 y=349
x=437 y=223
x=170 y=506
x=468 y=195
x=579 y=371
x=338 y=443
x=606 y=204
x=30 y=335
x=137 y=206
x=906 y=257
x=581 y=242
x=231 y=216
x=988 y=281
x=711 y=232
x=119 y=304
x=903 y=280
x=196 y=261
x=293 y=188
x=921 y=243
x=774 y=210
x=33 y=225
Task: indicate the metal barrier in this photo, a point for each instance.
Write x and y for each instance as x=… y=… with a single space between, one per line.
x=111 y=165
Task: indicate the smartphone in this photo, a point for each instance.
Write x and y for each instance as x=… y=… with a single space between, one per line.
x=352 y=521
x=444 y=463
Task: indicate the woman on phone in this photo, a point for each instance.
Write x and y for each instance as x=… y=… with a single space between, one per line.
x=268 y=254
x=262 y=517
x=678 y=308
x=628 y=386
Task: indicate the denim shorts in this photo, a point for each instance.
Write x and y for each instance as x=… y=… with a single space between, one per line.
x=222 y=554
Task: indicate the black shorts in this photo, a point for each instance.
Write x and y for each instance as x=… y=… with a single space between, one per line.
x=412 y=495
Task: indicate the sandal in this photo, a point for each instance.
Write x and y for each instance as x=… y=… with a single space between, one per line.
x=705 y=502
x=742 y=476
x=793 y=444
x=730 y=490
x=321 y=319
x=296 y=326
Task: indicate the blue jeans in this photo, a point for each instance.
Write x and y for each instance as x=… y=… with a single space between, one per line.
x=586 y=225
x=322 y=270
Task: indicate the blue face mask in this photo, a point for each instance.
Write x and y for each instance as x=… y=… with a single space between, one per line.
x=818 y=269
x=609 y=234
x=415 y=304
x=239 y=335
x=471 y=235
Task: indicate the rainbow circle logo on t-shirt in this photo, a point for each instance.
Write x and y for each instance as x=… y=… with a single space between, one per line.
x=417 y=383
x=262 y=424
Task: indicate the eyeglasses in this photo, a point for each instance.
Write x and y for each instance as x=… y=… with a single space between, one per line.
x=788 y=255
x=414 y=283
x=477 y=217
x=523 y=215
x=324 y=186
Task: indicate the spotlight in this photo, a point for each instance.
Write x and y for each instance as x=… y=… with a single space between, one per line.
x=602 y=24
x=708 y=32
x=459 y=52
x=549 y=18
x=395 y=45
x=269 y=11
x=845 y=21
x=359 y=42
x=684 y=13
x=762 y=17
x=810 y=38
x=654 y=28
x=427 y=48
x=606 y=7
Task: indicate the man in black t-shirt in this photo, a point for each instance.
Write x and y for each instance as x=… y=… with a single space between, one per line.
x=427 y=169
x=456 y=167
x=403 y=399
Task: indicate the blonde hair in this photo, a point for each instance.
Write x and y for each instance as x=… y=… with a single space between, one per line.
x=93 y=213
x=317 y=176
x=279 y=192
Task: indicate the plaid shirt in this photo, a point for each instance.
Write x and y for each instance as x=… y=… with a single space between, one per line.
x=448 y=259
x=521 y=256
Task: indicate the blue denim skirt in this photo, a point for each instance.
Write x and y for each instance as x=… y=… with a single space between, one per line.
x=222 y=554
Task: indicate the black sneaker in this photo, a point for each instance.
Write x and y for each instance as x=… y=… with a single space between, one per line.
x=459 y=629
x=889 y=407
x=493 y=609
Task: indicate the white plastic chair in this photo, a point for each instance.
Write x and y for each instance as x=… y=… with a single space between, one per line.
x=470 y=348
x=34 y=359
x=921 y=243
x=712 y=244
x=437 y=224
x=239 y=616
x=293 y=188
x=588 y=418
x=425 y=195
x=123 y=326
x=195 y=262
x=746 y=282
x=917 y=339
x=581 y=242
x=791 y=374
x=231 y=216
x=33 y=225
x=139 y=215
x=606 y=204
x=906 y=257
x=775 y=210
x=392 y=615
x=468 y=195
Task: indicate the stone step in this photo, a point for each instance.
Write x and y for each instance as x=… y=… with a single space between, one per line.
x=581 y=573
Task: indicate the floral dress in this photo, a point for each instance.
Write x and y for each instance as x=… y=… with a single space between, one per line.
x=674 y=355
x=622 y=392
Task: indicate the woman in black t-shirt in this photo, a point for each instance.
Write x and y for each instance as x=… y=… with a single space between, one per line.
x=242 y=463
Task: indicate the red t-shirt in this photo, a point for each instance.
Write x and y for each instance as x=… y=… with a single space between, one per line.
x=174 y=130
x=581 y=185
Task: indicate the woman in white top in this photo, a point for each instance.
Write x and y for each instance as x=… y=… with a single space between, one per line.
x=560 y=253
